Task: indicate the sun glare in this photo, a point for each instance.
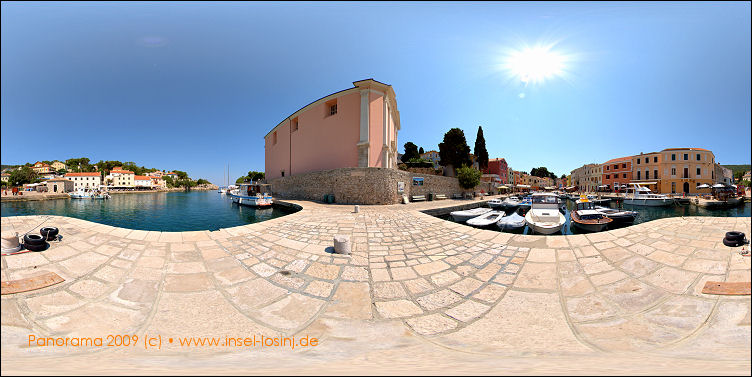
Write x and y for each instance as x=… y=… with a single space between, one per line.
x=534 y=65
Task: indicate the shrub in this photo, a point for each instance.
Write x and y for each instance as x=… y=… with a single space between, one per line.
x=468 y=177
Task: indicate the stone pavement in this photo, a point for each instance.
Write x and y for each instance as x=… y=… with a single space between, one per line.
x=418 y=294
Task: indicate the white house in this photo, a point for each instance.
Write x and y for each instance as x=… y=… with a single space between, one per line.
x=142 y=181
x=83 y=181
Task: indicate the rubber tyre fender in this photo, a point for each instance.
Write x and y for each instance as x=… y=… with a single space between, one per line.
x=33 y=239
x=41 y=247
x=50 y=232
x=734 y=236
x=734 y=243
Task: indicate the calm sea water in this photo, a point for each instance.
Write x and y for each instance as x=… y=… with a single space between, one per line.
x=160 y=211
x=651 y=213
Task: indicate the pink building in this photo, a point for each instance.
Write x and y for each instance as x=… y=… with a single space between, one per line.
x=499 y=167
x=355 y=127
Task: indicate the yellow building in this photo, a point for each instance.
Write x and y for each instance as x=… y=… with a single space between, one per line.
x=675 y=170
x=41 y=167
x=121 y=178
x=57 y=165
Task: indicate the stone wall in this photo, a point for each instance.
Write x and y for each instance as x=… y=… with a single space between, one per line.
x=361 y=185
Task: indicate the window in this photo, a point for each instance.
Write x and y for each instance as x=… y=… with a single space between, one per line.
x=647 y=174
x=607 y=167
x=673 y=157
x=646 y=160
x=624 y=175
x=333 y=109
x=673 y=171
x=655 y=159
x=673 y=187
x=638 y=161
x=655 y=173
x=274 y=138
x=294 y=125
x=686 y=156
x=283 y=173
x=607 y=176
x=623 y=166
x=698 y=171
x=686 y=173
x=638 y=174
x=698 y=157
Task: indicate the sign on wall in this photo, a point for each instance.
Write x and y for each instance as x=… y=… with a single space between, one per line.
x=400 y=187
x=417 y=181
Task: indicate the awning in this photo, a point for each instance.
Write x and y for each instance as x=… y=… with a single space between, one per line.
x=703 y=186
x=603 y=186
x=646 y=183
x=523 y=186
x=502 y=187
x=719 y=185
x=549 y=188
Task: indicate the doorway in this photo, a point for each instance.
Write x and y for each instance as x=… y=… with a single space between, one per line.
x=686 y=187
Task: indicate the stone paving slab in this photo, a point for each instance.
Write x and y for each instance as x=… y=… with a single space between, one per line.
x=410 y=276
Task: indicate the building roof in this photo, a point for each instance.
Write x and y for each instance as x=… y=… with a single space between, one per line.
x=88 y=174
x=58 y=180
x=122 y=171
x=142 y=178
x=41 y=163
x=691 y=149
x=356 y=84
x=620 y=159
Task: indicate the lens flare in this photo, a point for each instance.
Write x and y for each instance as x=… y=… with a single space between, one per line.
x=535 y=65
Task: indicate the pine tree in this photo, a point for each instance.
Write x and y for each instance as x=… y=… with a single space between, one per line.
x=480 y=151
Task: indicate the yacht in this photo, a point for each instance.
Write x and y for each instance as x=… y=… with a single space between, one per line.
x=544 y=216
x=620 y=216
x=511 y=202
x=586 y=217
x=495 y=203
x=642 y=196
x=252 y=194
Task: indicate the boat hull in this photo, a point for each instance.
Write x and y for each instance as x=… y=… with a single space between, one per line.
x=544 y=228
x=252 y=201
x=590 y=227
x=650 y=202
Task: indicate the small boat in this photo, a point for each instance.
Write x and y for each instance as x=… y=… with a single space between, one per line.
x=495 y=203
x=620 y=216
x=83 y=194
x=642 y=196
x=485 y=220
x=585 y=217
x=462 y=216
x=511 y=222
x=511 y=202
x=544 y=216
x=252 y=194
x=526 y=203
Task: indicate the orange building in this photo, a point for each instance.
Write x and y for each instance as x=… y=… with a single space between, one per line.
x=617 y=172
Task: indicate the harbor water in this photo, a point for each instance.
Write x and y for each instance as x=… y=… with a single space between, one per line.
x=160 y=211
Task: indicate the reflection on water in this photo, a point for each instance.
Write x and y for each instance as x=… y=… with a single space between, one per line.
x=645 y=214
x=161 y=211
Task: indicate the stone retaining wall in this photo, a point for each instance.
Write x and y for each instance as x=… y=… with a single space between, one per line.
x=361 y=185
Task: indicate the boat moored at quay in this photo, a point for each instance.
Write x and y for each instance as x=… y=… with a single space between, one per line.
x=639 y=195
x=252 y=194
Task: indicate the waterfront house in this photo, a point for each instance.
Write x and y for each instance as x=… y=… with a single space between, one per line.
x=57 y=166
x=5 y=177
x=723 y=175
x=158 y=183
x=119 y=178
x=617 y=172
x=355 y=127
x=59 y=185
x=41 y=167
x=83 y=181
x=172 y=175
x=499 y=167
x=747 y=176
x=142 y=181
x=157 y=174
x=587 y=177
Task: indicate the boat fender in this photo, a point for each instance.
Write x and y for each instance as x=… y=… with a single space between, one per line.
x=33 y=240
x=49 y=232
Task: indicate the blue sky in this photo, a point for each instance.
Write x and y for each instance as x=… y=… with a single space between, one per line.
x=194 y=86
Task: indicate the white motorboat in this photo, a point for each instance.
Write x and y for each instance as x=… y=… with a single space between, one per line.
x=495 y=203
x=511 y=202
x=642 y=196
x=544 y=216
x=586 y=218
x=252 y=194
x=620 y=216
x=511 y=222
x=88 y=194
x=462 y=216
x=485 y=220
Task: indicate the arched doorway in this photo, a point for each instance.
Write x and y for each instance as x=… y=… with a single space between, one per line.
x=686 y=187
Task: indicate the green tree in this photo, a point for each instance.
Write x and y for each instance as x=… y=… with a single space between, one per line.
x=480 y=151
x=79 y=165
x=169 y=181
x=256 y=175
x=542 y=172
x=202 y=181
x=241 y=180
x=181 y=174
x=23 y=176
x=411 y=151
x=468 y=177
x=454 y=149
x=563 y=176
x=420 y=150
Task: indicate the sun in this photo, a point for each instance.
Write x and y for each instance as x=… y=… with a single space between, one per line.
x=535 y=65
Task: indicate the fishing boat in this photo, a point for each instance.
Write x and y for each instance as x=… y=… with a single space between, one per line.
x=485 y=220
x=585 y=217
x=511 y=222
x=462 y=216
x=544 y=216
x=252 y=194
x=639 y=195
x=619 y=216
x=87 y=194
x=495 y=203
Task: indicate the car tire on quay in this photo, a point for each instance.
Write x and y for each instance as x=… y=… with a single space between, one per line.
x=734 y=236
x=49 y=232
x=35 y=247
x=33 y=240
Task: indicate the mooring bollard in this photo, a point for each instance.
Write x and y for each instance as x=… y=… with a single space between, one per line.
x=357 y=208
x=342 y=244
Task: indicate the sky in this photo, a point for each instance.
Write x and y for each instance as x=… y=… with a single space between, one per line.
x=196 y=86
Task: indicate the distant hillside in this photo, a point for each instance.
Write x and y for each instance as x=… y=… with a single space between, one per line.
x=737 y=168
